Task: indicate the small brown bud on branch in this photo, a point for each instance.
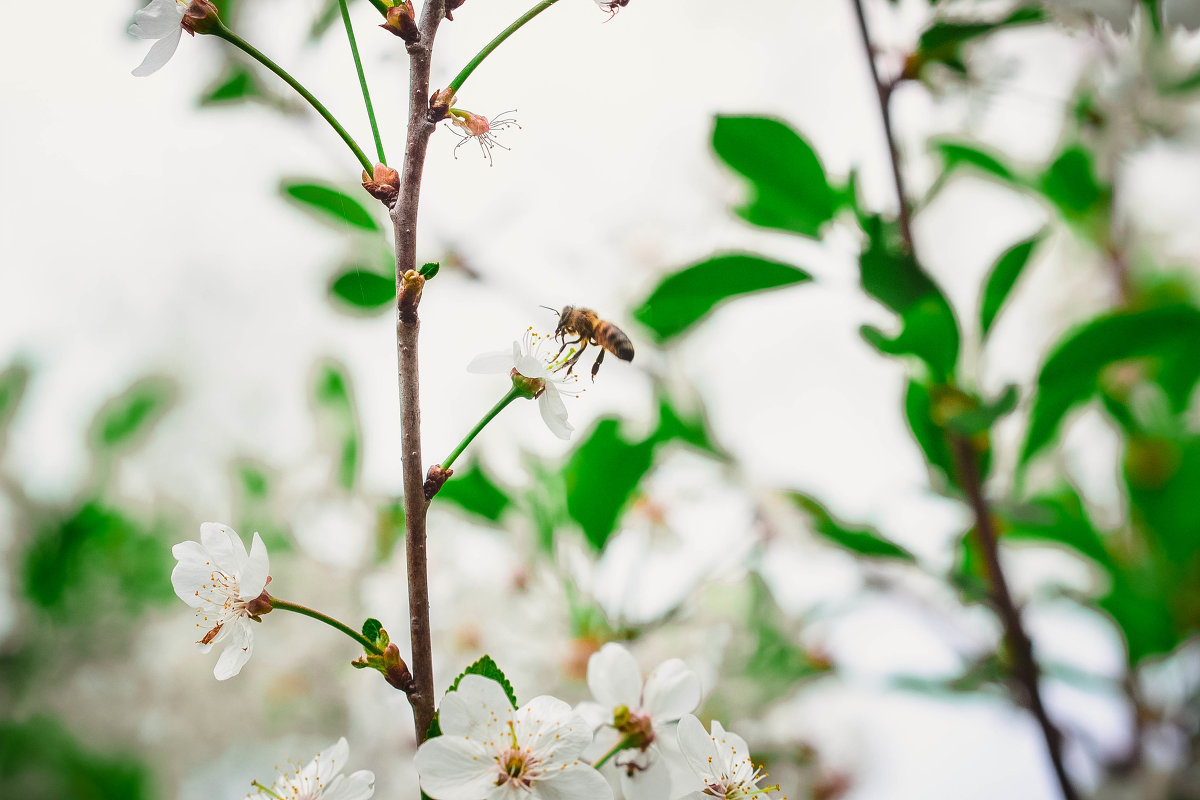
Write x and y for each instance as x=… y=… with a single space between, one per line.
x=384 y=185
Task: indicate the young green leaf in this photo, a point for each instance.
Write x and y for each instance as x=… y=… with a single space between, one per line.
x=789 y=190
x=943 y=40
x=1003 y=276
x=892 y=276
x=488 y=668
x=918 y=411
x=684 y=298
x=362 y=288
x=330 y=204
x=472 y=490
x=977 y=420
x=132 y=413
x=601 y=476
x=332 y=393
x=1070 y=183
x=1071 y=374
x=861 y=540
x=235 y=84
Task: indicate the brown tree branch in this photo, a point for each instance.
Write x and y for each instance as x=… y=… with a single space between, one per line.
x=408 y=324
x=1025 y=668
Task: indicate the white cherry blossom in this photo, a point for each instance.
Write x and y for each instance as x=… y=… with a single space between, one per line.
x=161 y=20
x=320 y=779
x=489 y=751
x=720 y=762
x=643 y=716
x=531 y=358
x=218 y=579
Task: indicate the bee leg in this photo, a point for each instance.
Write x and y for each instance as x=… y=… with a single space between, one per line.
x=564 y=346
x=596 y=366
x=574 y=359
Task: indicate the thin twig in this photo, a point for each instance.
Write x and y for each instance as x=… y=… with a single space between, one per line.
x=408 y=285
x=1025 y=668
x=884 y=92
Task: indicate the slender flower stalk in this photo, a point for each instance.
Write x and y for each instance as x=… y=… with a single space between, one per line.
x=362 y=81
x=513 y=394
x=225 y=33
x=462 y=76
x=283 y=605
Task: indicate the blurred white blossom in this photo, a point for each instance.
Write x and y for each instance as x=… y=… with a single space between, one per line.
x=640 y=716
x=321 y=779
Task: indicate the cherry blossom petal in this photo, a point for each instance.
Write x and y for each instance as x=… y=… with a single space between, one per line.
x=158 y=19
x=237 y=651
x=254 y=574
x=193 y=571
x=478 y=709
x=159 y=55
x=549 y=729
x=455 y=768
x=224 y=546
x=672 y=690
x=575 y=783
x=697 y=745
x=652 y=783
x=492 y=363
x=554 y=413
x=614 y=678
x=359 y=786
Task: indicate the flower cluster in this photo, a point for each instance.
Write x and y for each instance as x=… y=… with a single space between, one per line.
x=320 y=779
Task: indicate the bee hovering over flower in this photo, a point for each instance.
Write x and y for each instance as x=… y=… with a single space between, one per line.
x=587 y=326
x=477 y=127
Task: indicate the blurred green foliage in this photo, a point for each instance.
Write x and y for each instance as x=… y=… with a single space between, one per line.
x=40 y=760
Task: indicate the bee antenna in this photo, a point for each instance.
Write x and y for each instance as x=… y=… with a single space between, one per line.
x=551 y=310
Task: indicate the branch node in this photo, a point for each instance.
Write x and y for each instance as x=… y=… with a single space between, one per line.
x=436 y=479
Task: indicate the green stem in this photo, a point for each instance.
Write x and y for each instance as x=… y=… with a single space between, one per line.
x=381 y=7
x=241 y=44
x=461 y=77
x=362 y=81
x=616 y=748
x=283 y=605
x=513 y=394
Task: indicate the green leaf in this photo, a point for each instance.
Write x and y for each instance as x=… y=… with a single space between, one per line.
x=473 y=491
x=861 y=540
x=977 y=420
x=892 y=276
x=684 y=298
x=1003 y=277
x=429 y=271
x=254 y=481
x=13 y=382
x=600 y=478
x=132 y=413
x=1142 y=611
x=363 y=288
x=371 y=629
x=487 y=668
x=690 y=429
x=235 y=84
x=918 y=411
x=332 y=394
x=330 y=204
x=1071 y=374
x=97 y=555
x=1071 y=184
x=956 y=155
x=943 y=39
x=1057 y=516
x=789 y=190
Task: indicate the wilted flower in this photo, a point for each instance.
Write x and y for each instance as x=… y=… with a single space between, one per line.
x=720 y=761
x=227 y=588
x=320 y=779
x=476 y=126
x=528 y=360
x=489 y=751
x=638 y=717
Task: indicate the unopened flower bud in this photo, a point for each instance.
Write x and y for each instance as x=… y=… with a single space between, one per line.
x=395 y=670
x=439 y=104
x=384 y=185
x=401 y=21
x=201 y=17
x=450 y=6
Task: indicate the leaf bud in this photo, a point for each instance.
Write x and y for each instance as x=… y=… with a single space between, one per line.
x=384 y=185
x=395 y=670
x=450 y=6
x=439 y=104
x=401 y=21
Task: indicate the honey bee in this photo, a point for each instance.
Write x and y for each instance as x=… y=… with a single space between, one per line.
x=587 y=326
